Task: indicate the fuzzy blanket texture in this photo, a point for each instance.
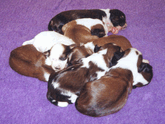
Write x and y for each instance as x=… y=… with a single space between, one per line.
x=23 y=99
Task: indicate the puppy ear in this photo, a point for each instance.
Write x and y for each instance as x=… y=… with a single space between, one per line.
x=47 y=53
x=117 y=55
x=145 y=67
x=98 y=32
x=96 y=49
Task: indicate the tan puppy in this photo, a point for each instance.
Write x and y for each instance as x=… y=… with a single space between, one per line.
x=85 y=30
x=26 y=60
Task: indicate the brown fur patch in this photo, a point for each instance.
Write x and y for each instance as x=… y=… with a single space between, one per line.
x=26 y=60
x=116 y=39
x=78 y=33
x=106 y=95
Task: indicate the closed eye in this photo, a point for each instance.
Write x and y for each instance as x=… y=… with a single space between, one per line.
x=62 y=58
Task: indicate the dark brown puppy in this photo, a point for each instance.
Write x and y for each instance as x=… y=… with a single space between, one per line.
x=26 y=60
x=111 y=18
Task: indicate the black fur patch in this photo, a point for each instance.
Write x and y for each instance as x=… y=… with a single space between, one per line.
x=117 y=55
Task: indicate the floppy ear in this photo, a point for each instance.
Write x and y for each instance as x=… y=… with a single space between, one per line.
x=98 y=32
x=96 y=49
x=117 y=55
x=145 y=67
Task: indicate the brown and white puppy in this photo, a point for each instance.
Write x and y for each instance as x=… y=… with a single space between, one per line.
x=114 y=19
x=65 y=86
x=119 y=40
x=84 y=30
x=106 y=95
x=109 y=94
x=58 y=46
x=26 y=60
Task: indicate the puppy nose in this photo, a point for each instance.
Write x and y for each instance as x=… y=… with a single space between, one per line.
x=49 y=97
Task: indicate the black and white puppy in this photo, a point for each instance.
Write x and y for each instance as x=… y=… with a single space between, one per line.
x=114 y=19
x=65 y=86
x=110 y=93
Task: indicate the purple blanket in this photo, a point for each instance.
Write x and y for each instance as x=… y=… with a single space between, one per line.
x=23 y=99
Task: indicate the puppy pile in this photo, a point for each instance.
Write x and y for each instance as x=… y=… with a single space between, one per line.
x=82 y=64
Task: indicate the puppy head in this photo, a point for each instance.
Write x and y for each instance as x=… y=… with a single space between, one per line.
x=145 y=69
x=133 y=61
x=117 y=18
x=57 y=56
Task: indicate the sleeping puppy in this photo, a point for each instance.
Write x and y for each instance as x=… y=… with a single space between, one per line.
x=65 y=86
x=106 y=95
x=45 y=40
x=84 y=30
x=110 y=93
x=26 y=60
x=114 y=19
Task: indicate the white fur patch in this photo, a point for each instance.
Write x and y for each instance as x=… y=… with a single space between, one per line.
x=96 y=58
x=55 y=85
x=62 y=104
x=100 y=74
x=46 y=39
x=90 y=46
x=89 y=22
x=72 y=96
x=106 y=19
x=46 y=76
